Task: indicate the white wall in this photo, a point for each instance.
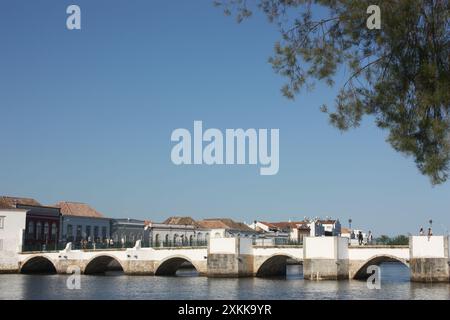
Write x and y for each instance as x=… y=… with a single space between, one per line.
x=294 y=252
x=325 y=248
x=222 y=245
x=342 y=246
x=12 y=231
x=429 y=247
x=245 y=246
x=365 y=253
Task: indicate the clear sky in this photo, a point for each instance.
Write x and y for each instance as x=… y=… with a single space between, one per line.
x=87 y=116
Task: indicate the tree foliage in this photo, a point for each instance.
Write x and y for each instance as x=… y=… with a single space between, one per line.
x=397 y=240
x=399 y=75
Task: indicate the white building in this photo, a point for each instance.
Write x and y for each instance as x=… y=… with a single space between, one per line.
x=331 y=227
x=290 y=231
x=12 y=227
x=80 y=222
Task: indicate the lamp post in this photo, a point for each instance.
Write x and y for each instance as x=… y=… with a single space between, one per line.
x=350 y=223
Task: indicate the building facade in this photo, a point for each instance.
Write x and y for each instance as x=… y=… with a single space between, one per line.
x=42 y=223
x=287 y=232
x=224 y=227
x=12 y=228
x=83 y=225
x=125 y=232
x=331 y=227
x=177 y=231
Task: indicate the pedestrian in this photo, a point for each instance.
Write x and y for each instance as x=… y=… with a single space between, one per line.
x=360 y=238
x=430 y=232
x=369 y=238
x=421 y=232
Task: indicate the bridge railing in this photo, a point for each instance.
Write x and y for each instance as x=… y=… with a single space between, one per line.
x=106 y=245
x=175 y=244
x=263 y=242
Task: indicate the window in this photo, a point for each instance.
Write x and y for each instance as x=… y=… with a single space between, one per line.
x=31 y=227
x=46 y=229
x=38 y=230
x=53 y=231
x=88 y=232
x=69 y=232
x=2 y=222
x=78 y=232
x=96 y=232
x=104 y=233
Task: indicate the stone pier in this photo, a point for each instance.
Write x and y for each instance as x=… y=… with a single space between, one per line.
x=230 y=257
x=429 y=259
x=325 y=258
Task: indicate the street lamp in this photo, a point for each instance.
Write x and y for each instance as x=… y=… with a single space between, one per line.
x=350 y=223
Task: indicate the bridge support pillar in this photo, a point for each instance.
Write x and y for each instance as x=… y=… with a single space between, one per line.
x=325 y=258
x=230 y=257
x=429 y=259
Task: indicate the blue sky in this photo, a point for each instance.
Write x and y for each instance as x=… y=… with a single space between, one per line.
x=87 y=116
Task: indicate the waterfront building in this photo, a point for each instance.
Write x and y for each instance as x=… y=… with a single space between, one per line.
x=126 y=231
x=332 y=227
x=224 y=227
x=12 y=227
x=347 y=233
x=82 y=223
x=42 y=223
x=177 y=231
x=288 y=232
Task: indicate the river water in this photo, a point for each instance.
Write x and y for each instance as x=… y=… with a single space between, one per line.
x=395 y=284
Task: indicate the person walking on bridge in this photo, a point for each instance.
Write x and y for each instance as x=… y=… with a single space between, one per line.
x=360 y=238
x=421 y=232
x=369 y=238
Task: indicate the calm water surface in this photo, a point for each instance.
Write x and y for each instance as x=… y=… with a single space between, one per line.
x=395 y=284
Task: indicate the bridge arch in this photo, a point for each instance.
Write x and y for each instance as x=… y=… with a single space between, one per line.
x=361 y=270
x=103 y=263
x=38 y=264
x=274 y=265
x=170 y=265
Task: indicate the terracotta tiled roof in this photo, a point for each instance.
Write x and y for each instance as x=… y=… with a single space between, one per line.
x=329 y=221
x=269 y=224
x=180 y=221
x=224 y=223
x=11 y=202
x=284 y=225
x=345 y=230
x=4 y=204
x=78 y=209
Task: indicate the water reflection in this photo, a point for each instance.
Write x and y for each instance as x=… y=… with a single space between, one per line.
x=187 y=284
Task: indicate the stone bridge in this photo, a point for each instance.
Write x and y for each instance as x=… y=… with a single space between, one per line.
x=322 y=258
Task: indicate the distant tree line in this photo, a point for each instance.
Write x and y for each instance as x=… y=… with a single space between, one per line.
x=397 y=240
